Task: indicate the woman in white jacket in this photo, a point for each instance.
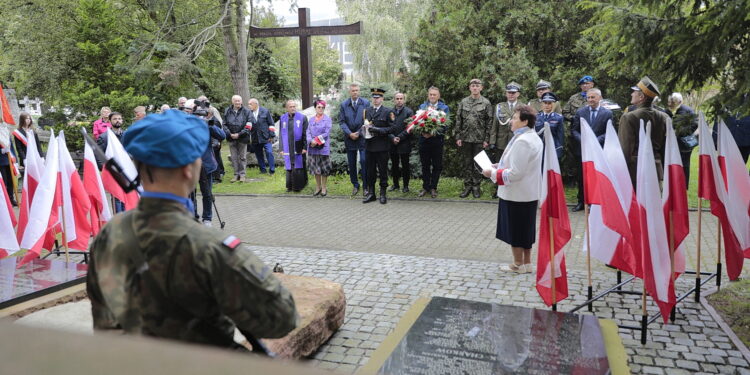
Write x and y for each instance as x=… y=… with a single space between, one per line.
x=518 y=176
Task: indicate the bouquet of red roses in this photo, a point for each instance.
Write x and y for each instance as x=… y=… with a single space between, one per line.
x=428 y=120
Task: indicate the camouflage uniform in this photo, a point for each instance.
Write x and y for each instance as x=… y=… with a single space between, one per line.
x=207 y=282
x=473 y=123
x=571 y=107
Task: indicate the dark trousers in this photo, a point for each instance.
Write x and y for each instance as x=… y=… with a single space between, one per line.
x=219 y=172
x=431 y=157
x=263 y=152
x=745 y=152
x=685 y=156
x=7 y=178
x=377 y=166
x=472 y=175
x=579 y=177
x=205 y=183
x=402 y=171
x=351 y=159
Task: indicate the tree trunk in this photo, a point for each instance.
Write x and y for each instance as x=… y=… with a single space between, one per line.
x=235 y=46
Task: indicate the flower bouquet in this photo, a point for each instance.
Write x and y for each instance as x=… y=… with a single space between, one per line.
x=427 y=121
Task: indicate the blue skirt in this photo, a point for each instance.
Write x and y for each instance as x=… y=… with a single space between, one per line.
x=516 y=223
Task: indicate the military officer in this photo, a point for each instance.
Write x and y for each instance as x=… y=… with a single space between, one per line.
x=473 y=122
x=500 y=133
x=578 y=100
x=379 y=125
x=555 y=120
x=543 y=87
x=642 y=97
x=155 y=271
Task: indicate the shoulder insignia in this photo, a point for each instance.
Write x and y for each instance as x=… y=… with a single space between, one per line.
x=393 y=116
x=231 y=242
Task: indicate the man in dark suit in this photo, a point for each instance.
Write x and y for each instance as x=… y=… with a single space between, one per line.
x=351 y=118
x=401 y=147
x=377 y=129
x=597 y=118
x=261 y=135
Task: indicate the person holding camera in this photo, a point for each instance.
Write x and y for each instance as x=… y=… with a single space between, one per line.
x=237 y=125
x=200 y=109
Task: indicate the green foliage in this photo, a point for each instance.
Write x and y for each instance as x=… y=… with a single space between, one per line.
x=73 y=137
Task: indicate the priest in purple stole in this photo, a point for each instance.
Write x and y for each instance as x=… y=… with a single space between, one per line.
x=293 y=145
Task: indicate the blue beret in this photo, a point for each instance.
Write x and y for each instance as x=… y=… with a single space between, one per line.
x=168 y=140
x=585 y=79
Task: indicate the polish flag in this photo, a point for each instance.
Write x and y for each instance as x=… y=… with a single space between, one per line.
x=674 y=200
x=655 y=249
x=117 y=152
x=737 y=182
x=33 y=174
x=711 y=187
x=92 y=182
x=7 y=117
x=8 y=241
x=76 y=204
x=607 y=218
x=44 y=212
x=554 y=212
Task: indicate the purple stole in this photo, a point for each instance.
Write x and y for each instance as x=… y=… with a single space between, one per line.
x=287 y=149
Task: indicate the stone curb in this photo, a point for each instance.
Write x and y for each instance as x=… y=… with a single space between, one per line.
x=724 y=326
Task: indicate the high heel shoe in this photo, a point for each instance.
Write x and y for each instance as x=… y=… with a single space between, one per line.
x=316 y=193
x=323 y=193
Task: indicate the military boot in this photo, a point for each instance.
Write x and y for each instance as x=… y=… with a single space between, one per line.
x=465 y=193
x=383 y=199
x=476 y=191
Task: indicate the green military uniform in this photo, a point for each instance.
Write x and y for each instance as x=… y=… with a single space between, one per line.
x=501 y=133
x=537 y=105
x=473 y=123
x=628 y=133
x=571 y=107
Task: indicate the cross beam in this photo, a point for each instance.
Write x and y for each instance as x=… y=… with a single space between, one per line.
x=304 y=31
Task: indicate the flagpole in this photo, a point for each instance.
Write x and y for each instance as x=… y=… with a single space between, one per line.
x=65 y=238
x=671 y=262
x=718 y=257
x=644 y=317
x=552 y=263
x=698 y=262
x=590 y=292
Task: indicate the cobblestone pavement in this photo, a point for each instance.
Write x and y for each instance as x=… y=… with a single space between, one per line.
x=381 y=287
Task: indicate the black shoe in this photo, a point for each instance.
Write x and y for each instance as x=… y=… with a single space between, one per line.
x=405 y=189
x=477 y=193
x=366 y=192
x=369 y=198
x=465 y=193
x=393 y=188
x=355 y=190
x=433 y=193
x=383 y=199
x=422 y=193
x=578 y=207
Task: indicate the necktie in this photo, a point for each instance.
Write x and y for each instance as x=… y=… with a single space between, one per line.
x=593 y=115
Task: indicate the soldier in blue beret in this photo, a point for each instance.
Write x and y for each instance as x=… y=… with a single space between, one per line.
x=555 y=120
x=155 y=271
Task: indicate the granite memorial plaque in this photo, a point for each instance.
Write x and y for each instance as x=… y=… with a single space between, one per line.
x=454 y=336
x=37 y=278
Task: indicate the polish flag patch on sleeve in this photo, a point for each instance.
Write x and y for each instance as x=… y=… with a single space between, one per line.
x=231 y=242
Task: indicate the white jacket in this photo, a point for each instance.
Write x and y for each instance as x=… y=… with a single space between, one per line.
x=519 y=171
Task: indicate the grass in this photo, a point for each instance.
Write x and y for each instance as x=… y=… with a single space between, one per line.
x=339 y=185
x=732 y=302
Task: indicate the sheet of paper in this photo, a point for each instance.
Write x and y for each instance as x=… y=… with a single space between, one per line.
x=483 y=160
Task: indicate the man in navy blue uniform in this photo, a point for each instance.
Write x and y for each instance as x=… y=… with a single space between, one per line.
x=597 y=117
x=377 y=130
x=555 y=120
x=351 y=119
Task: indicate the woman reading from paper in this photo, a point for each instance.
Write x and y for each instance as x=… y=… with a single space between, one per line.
x=518 y=175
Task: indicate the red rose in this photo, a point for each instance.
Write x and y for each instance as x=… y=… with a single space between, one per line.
x=442 y=120
x=434 y=121
x=421 y=125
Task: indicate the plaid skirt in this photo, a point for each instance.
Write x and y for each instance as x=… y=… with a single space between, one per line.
x=320 y=164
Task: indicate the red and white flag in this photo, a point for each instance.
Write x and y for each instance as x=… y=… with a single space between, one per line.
x=655 y=249
x=117 y=152
x=34 y=165
x=555 y=212
x=8 y=241
x=737 y=182
x=44 y=212
x=607 y=218
x=75 y=201
x=100 y=213
x=674 y=200
x=711 y=187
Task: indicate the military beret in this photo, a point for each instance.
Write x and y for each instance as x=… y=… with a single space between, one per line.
x=377 y=93
x=549 y=97
x=476 y=81
x=648 y=87
x=542 y=84
x=167 y=140
x=585 y=79
x=513 y=87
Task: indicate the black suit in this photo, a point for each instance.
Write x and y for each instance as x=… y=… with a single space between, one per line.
x=400 y=153
x=598 y=124
x=377 y=147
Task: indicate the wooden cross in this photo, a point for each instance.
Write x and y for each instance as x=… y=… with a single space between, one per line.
x=304 y=31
